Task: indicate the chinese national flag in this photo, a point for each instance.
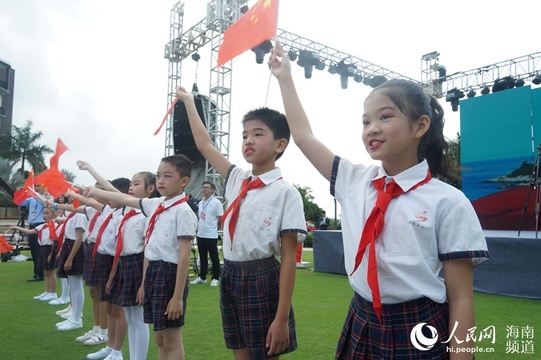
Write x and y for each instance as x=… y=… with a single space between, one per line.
x=60 y=149
x=4 y=245
x=54 y=181
x=28 y=190
x=253 y=28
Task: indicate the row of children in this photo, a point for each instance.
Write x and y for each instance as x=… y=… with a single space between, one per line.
x=394 y=270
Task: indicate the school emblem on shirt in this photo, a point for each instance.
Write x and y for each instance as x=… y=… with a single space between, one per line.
x=266 y=224
x=421 y=216
x=203 y=216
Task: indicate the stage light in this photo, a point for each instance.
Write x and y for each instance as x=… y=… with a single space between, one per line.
x=308 y=59
x=377 y=80
x=453 y=96
x=504 y=83
x=486 y=90
x=345 y=71
x=519 y=83
x=320 y=65
x=332 y=69
x=537 y=79
x=358 y=78
x=196 y=57
x=471 y=94
x=292 y=55
x=260 y=51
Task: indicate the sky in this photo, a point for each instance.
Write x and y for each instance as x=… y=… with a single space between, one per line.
x=93 y=73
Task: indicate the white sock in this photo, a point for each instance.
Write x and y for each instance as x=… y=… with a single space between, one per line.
x=116 y=353
x=65 y=288
x=96 y=329
x=77 y=296
x=104 y=332
x=138 y=333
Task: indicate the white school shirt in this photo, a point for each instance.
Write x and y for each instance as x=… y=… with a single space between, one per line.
x=44 y=235
x=209 y=212
x=89 y=213
x=133 y=233
x=107 y=244
x=264 y=214
x=431 y=223
x=172 y=225
x=77 y=222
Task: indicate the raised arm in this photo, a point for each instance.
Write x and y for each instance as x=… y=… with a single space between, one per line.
x=104 y=183
x=202 y=139
x=317 y=153
x=86 y=201
x=118 y=197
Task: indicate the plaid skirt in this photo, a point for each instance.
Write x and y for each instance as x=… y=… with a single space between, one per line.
x=159 y=288
x=127 y=281
x=90 y=273
x=44 y=252
x=363 y=337
x=105 y=264
x=77 y=263
x=249 y=294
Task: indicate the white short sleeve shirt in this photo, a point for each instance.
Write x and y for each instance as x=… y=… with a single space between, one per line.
x=107 y=244
x=430 y=224
x=264 y=215
x=44 y=235
x=77 y=222
x=209 y=212
x=176 y=223
x=133 y=233
x=90 y=212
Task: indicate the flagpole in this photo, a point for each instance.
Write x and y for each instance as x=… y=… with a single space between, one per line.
x=275 y=42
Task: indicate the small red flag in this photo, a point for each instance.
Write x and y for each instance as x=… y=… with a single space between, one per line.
x=257 y=25
x=60 y=149
x=54 y=181
x=28 y=190
x=4 y=245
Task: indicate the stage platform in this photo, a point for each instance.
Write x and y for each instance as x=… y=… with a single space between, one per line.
x=514 y=268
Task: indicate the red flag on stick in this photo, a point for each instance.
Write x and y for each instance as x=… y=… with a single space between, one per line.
x=28 y=190
x=60 y=149
x=257 y=25
x=54 y=181
x=4 y=245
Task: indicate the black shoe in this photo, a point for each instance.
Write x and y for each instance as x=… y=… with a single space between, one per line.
x=36 y=278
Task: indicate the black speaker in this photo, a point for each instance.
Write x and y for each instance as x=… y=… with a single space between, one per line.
x=183 y=141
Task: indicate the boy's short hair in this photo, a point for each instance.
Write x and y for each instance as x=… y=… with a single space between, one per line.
x=275 y=120
x=181 y=163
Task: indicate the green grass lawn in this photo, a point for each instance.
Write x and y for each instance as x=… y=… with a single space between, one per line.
x=321 y=301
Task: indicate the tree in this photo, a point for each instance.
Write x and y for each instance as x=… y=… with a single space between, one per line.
x=454 y=159
x=311 y=209
x=25 y=148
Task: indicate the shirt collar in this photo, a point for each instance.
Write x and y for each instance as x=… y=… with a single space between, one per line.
x=173 y=200
x=407 y=178
x=269 y=176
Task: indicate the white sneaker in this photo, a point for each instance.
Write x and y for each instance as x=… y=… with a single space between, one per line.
x=63 y=311
x=62 y=323
x=66 y=315
x=70 y=325
x=101 y=354
x=40 y=296
x=49 y=297
x=87 y=335
x=111 y=357
x=60 y=301
x=199 y=281
x=96 y=339
x=214 y=282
